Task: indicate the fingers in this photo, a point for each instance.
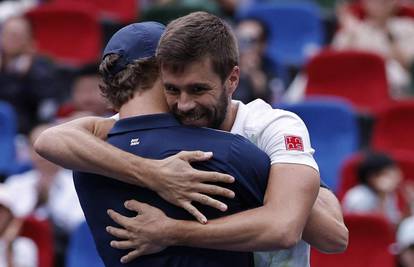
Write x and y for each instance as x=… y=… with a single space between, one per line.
x=118 y=232
x=131 y=256
x=195 y=212
x=192 y=156
x=215 y=190
x=208 y=201
x=118 y=218
x=122 y=244
x=214 y=177
x=134 y=205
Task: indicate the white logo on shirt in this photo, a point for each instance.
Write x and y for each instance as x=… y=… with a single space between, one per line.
x=134 y=141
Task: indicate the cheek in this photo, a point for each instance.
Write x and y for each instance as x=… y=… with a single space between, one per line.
x=171 y=100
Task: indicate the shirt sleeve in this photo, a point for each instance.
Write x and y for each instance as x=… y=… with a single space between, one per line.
x=250 y=166
x=285 y=139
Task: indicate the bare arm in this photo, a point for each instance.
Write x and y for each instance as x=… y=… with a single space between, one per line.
x=73 y=146
x=79 y=145
x=290 y=194
x=325 y=229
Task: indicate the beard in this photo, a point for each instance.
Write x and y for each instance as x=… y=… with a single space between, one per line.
x=212 y=116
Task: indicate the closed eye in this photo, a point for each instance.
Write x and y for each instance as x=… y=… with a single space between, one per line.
x=171 y=89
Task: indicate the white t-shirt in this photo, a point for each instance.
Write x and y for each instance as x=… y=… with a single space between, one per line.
x=361 y=199
x=62 y=207
x=285 y=138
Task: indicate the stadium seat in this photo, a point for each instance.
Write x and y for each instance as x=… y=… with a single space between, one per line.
x=70 y=34
x=40 y=232
x=404 y=159
x=82 y=251
x=393 y=129
x=125 y=11
x=403 y=10
x=369 y=240
x=295 y=31
x=357 y=76
x=333 y=130
x=7 y=135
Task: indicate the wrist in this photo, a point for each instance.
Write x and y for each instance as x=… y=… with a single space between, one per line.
x=140 y=171
x=173 y=234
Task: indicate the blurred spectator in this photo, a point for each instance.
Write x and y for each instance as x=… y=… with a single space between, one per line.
x=27 y=80
x=86 y=98
x=383 y=32
x=15 y=251
x=166 y=10
x=256 y=75
x=47 y=191
x=379 y=177
x=10 y=8
x=405 y=243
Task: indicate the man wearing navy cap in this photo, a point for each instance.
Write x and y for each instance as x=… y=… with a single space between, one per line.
x=132 y=86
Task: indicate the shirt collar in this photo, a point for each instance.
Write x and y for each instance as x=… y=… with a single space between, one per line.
x=144 y=122
x=241 y=115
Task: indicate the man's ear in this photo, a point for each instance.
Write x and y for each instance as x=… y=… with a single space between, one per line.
x=233 y=80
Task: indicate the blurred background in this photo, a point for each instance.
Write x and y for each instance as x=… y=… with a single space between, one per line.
x=345 y=67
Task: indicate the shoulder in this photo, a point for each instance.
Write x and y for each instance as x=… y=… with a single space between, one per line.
x=262 y=115
x=360 y=198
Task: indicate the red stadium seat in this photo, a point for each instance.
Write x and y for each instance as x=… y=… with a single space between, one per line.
x=404 y=159
x=357 y=76
x=40 y=232
x=124 y=11
x=70 y=34
x=403 y=10
x=392 y=129
x=369 y=240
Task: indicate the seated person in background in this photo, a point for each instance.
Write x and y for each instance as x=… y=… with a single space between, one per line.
x=379 y=177
x=86 y=98
x=257 y=79
x=28 y=81
x=46 y=191
x=382 y=32
x=15 y=251
x=405 y=243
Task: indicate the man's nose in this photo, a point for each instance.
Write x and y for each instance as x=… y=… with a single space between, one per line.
x=185 y=103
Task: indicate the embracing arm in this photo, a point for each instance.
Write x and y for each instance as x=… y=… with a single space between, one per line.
x=290 y=194
x=79 y=145
x=325 y=229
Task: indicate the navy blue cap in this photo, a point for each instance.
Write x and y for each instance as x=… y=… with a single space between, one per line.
x=132 y=42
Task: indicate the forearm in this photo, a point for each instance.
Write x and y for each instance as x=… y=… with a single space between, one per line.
x=74 y=145
x=325 y=229
x=251 y=230
x=278 y=224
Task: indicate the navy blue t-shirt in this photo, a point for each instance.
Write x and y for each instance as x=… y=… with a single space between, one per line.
x=157 y=137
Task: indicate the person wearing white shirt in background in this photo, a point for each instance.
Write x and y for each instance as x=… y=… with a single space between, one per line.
x=46 y=192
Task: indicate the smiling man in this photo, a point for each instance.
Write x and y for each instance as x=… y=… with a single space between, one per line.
x=199 y=69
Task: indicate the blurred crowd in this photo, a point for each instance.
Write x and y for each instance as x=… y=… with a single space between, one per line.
x=46 y=83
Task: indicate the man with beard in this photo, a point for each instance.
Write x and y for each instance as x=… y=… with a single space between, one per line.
x=199 y=66
x=131 y=84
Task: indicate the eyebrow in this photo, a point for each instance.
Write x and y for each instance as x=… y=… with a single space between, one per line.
x=203 y=85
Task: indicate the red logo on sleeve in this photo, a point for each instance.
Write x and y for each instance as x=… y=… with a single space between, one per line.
x=293 y=142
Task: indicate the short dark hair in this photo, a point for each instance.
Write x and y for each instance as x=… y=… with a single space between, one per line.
x=119 y=88
x=372 y=164
x=195 y=37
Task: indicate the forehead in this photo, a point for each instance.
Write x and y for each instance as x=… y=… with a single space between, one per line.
x=200 y=71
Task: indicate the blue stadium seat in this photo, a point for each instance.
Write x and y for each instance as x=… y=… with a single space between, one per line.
x=82 y=251
x=296 y=31
x=334 y=133
x=7 y=135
